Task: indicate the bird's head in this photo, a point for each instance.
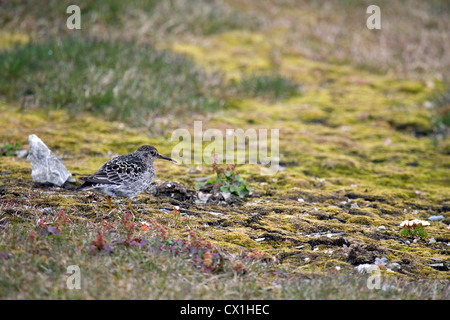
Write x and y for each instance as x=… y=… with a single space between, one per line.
x=151 y=153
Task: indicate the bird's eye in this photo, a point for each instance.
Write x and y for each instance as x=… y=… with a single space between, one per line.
x=153 y=152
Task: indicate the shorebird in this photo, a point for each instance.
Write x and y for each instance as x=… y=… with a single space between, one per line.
x=125 y=176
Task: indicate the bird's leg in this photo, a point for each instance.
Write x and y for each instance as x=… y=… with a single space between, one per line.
x=108 y=199
x=130 y=207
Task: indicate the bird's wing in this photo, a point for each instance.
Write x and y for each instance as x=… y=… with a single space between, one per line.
x=118 y=170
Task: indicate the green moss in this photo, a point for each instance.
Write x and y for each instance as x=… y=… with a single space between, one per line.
x=360 y=220
x=238 y=238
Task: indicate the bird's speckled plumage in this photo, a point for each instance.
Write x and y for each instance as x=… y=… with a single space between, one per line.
x=125 y=176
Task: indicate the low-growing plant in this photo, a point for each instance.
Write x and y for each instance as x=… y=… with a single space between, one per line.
x=414 y=228
x=227 y=179
x=10 y=148
x=100 y=245
x=176 y=218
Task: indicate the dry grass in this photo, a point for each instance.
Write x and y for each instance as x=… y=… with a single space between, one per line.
x=414 y=39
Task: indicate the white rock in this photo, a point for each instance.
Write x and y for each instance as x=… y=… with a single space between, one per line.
x=225 y=195
x=435 y=218
x=22 y=153
x=46 y=167
x=394 y=266
x=381 y=261
x=216 y=213
x=202 y=198
x=366 y=268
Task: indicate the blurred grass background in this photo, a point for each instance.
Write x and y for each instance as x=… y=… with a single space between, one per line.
x=114 y=67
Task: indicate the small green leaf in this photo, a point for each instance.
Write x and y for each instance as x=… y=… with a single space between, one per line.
x=198 y=186
x=404 y=232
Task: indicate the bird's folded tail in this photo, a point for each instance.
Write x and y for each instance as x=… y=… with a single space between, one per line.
x=85 y=186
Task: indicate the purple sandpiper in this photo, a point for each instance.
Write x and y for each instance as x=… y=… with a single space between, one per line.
x=126 y=175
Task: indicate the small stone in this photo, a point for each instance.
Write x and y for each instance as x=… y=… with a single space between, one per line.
x=438 y=266
x=366 y=268
x=435 y=218
x=394 y=266
x=407 y=242
x=381 y=261
x=428 y=104
x=22 y=153
x=432 y=240
x=225 y=195
x=201 y=179
x=46 y=167
x=437 y=259
x=202 y=198
x=47 y=210
x=301 y=200
x=381 y=228
x=299 y=247
x=260 y=239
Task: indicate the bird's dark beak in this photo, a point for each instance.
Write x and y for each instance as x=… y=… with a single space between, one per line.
x=166 y=158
